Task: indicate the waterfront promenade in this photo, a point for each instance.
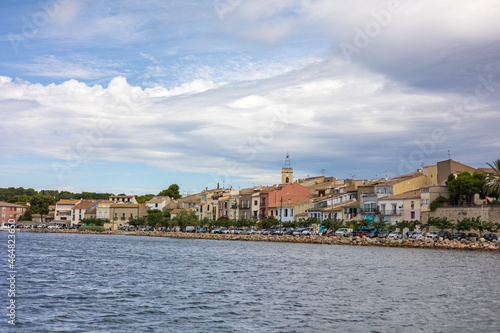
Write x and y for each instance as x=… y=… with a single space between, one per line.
x=479 y=245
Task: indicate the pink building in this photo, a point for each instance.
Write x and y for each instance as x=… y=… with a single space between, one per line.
x=272 y=196
x=10 y=211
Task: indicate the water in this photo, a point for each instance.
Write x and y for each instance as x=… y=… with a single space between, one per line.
x=112 y=283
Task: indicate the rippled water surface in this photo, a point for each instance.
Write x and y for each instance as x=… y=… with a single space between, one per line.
x=111 y=283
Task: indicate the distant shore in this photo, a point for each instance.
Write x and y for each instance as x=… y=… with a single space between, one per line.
x=480 y=245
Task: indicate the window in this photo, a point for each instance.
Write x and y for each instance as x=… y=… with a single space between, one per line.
x=291 y=212
x=413 y=205
x=123 y=215
x=427 y=202
x=255 y=202
x=244 y=215
x=156 y=205
x=422 y=203
x=285 y=213
x=412 y=215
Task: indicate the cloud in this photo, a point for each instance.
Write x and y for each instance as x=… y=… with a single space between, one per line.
x=325 y=111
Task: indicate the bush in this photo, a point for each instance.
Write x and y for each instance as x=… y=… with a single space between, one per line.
x=91 y=228
x=438 y=202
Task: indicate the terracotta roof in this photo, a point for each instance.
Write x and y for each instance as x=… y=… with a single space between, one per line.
x=415 y=194
x=155 y=200
x=122 y=196
x=104 y=201
x=398 y=179
x=8 y=204
x=67 y=202
x=486 y=170
x=84 y=204
x=122 y=205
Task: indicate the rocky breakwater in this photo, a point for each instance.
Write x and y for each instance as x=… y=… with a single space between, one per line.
x=360 y=241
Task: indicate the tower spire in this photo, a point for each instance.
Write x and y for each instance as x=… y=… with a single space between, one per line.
x=287 y=171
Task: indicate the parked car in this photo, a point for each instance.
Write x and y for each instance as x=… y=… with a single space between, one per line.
x=343 y=232
x=361 y=233
x=472 y=237
x=371 y=234
x=459 y=236
x=418 y=235
x=395 y=235
x=444 y=234
x=433 y=235
x=382 y=234
x=307 y=232
x=490 y=237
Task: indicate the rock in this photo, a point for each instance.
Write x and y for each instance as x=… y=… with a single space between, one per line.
x=482 y=240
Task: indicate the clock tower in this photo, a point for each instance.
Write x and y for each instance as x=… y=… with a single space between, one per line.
x=287 y=172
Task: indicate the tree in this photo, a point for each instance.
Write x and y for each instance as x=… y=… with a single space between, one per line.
x=379 y=225
x=172 y=191
x=137 y=222
x=186 y=218
x=94 y=221
x=492 y=183
x=154 y=217
x=464 y=224
x=40 y=203
x=26 y=216
x=144 y=198
x=441 y=223
x=463 y=187
x=336 y=225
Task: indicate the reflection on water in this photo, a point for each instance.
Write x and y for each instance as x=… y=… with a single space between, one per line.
x=110 y=283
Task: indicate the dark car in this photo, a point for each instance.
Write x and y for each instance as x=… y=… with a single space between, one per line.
x=382 y=234
x=459 y=236
x=472 y=237
x=371 y=234
x=444 y=234
x=490 y=237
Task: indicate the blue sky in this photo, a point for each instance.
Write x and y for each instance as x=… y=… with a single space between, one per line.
x=127 y=96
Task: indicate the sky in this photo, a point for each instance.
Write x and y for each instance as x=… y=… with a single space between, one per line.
x=130 y=97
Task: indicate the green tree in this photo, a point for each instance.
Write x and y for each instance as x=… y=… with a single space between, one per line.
x=441 y=223
x=186 y=218
x=26 y=216
x=166 y=213
x=380 y=225
x=337 y=225
x=94 y=221
x=137 y=222
x=40 y=203
x=464 y=224
x=327 y=224
x=144 y=198
x=172 y=191
x=154 y=217
x=492 y=182
x=463 y=187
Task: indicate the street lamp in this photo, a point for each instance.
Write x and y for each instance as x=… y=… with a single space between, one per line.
x=281 y=213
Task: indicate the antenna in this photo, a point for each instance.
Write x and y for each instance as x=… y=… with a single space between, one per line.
x=287 y=160
x=323 y=172
x=449 y=154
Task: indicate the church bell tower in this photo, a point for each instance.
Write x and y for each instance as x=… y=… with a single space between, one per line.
x=287 y=172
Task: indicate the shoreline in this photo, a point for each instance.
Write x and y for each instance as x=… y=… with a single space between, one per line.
x=353 y=241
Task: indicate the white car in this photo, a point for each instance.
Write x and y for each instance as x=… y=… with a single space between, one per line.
x=433 y=235
x=343 y=232
x=395 y=235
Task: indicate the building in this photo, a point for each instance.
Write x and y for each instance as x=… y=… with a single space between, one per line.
x=64 y=211
x=10 y=211
x=272 y=196
x=121 y=213
x=287 y=172
x=103 y=209
x=158 y=202
x=82 y=208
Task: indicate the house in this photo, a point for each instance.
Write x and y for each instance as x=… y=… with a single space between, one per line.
x=374 y=191
x=64 y=211
x=158 y=202
x=103 y=209
x=437 y=175
x=122 y=213
x=10 y=212
x=80 y=209
x=271 y=196
x=286 y=211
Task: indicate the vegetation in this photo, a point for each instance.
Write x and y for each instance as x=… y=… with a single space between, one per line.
x=155 y=218
x=492 y=183
x=463 y=187
x=143 y=198
x=137 y=222
x=438 y=202
x=172 y=191
x=185 y=218
x=93 y=221
x=91 y=228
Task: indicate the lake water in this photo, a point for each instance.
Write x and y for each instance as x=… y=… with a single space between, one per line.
x=113 y=283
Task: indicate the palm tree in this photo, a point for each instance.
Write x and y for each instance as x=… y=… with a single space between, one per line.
x=493 y=180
